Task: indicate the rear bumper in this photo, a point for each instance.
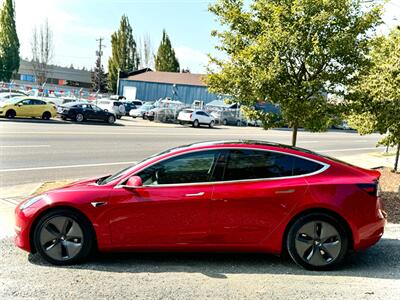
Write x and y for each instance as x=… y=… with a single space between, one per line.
x=371 y=233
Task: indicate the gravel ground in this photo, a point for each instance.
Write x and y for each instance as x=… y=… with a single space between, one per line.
x=371 y=274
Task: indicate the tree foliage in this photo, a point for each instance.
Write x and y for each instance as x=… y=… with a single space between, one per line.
x=9 y=43
x=99 y=77
x=375 y=97
x=291 y=54
x=124 y=56
x=166 y=60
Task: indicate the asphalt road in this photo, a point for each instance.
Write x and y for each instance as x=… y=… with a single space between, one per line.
x=371 y=274
x=36 y=150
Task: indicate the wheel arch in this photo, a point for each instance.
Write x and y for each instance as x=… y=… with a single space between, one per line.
x=52 y=208
x=326 y=211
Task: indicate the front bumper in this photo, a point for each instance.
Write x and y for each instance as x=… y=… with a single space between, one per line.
x=22 y=227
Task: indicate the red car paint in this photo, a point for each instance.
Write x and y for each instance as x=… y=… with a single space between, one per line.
x=248 y=215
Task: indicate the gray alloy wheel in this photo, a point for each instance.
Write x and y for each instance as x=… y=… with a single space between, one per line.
x=196 y=123
x=211 y=125
x=79 y=118
x=111 y=120
x=317 y=242
x=61 y=238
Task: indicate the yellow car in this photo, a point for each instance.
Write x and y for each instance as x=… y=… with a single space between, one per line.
x=27 y=107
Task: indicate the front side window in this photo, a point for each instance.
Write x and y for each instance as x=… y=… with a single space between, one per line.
x=187 y=168
x=252 y=164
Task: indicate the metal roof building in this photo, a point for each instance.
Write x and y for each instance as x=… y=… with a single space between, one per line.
x=149 y=86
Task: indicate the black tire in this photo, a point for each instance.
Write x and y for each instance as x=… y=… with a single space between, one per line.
x=82 y=238
x=63 y=118
x=196 y=123
x=46 y=115
x=211 y=125
x=144 y=117
x=10 y=114
x=119 y=117
x=79 y=117
x=111 y=120
x=238 y=123
x=313 y=252
x=225 y=122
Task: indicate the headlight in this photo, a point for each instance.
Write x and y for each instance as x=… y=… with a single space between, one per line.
x=32 y=201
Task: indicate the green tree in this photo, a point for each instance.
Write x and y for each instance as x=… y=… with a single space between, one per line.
x=99 y=77
x=291 y=54
x=9 y=43
x=166 y=61
x=375 y=97
x=124 y=56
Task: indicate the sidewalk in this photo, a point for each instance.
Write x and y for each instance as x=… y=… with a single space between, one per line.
x=370 y=160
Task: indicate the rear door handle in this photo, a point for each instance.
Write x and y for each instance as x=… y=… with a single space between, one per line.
x=194 y=195
x=290 y=191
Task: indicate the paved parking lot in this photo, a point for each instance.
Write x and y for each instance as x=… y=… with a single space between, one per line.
x=373 y=274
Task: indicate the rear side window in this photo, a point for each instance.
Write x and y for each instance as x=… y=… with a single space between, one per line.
x=250 y=164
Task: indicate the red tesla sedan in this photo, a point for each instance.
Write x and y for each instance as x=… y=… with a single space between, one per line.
x=214 y=196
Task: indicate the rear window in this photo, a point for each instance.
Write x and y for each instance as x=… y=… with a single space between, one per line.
x=188 y=111
x=251 y=164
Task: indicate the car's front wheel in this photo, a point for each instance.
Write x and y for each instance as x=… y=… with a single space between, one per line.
x=63 y=237
x=196 y=123
x=211 y=125
x=317 y=241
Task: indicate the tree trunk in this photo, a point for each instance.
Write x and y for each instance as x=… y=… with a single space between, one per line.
x=396 y=160
x=294 y=135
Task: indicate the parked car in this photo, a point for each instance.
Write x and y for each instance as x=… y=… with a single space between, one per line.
x=129 y=105
x=7 y=95
x=82 y=111
x=116 y=107
x=195 y=118
x=142 y=110
x=27 y=107
x=247 y=196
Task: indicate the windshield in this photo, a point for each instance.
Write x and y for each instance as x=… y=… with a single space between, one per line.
x=115 y=176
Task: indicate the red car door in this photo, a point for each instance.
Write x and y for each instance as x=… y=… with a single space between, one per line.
x=258 y=189
x=172 y=207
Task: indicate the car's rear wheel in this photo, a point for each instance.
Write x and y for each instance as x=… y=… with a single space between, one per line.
x=46 y=115
x=196 y=123
x=10 y=114
x=111 y=120
x=211 y=125
x=119 y=117
x=317 y=241
x=79 y=118
x=63 y=237
x=225 y=122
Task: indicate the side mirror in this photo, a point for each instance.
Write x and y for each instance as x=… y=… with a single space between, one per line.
x=133 y=182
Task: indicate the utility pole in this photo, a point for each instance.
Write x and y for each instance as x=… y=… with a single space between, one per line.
x=99 y=54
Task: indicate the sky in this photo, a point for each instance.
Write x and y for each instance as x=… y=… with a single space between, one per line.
x=76 y=24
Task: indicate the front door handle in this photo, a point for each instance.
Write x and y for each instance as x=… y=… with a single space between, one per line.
x=290 y=191
x=195 y=195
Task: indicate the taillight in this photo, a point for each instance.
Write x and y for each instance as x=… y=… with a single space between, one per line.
x=190 y=116
x=369 y=188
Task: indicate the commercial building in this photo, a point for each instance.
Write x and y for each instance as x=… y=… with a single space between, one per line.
x=60 y=79
x=148 y=85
